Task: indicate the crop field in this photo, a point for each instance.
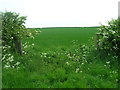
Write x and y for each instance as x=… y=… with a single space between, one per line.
x=62 y=58
x=53 y=38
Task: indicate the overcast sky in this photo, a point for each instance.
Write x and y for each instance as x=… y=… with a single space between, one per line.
x=63 y=13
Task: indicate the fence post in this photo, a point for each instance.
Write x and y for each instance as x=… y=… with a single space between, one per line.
x=18 y=44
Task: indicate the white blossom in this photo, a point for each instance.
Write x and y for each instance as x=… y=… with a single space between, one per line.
x=7 y=66
x=108 y=62
x=17 y=63
x=33 y=44
x=77 y=70
x=67 y=63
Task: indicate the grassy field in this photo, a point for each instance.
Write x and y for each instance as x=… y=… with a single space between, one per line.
x=63 y=37
x=62 y=58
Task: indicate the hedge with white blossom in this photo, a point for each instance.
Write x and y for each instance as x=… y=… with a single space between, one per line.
x=13 y=25
x=110 y=36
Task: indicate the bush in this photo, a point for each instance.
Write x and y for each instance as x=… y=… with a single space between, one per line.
x=13 y=31
x=12 y=27
x=110 y=36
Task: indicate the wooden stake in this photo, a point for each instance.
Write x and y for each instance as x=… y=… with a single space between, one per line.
x=18 y=45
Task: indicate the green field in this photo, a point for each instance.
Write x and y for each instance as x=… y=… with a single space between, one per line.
x=62 y=58
x=63 y=37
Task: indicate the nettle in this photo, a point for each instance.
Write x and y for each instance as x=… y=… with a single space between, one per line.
x=110 y=36
x=13 y=31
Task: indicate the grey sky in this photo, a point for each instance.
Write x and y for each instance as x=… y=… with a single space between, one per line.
x=63 y=13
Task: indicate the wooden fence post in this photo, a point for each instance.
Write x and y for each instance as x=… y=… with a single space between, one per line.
x=18 y=44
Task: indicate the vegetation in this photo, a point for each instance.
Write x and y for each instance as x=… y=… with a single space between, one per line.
x=110 y=37
x=13 y=31
x=62 y=58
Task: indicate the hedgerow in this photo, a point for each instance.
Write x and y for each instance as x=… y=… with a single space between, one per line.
x=110 y=37
x=13 y=31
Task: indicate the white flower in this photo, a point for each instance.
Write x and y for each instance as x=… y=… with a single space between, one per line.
x=45 y=56
x=36 y=31
x=13 y=66
x=77 y=69
x=10 y=59
x=9 y=54
x=67 y=63
x=17 y=63
x=11 y=37
x=30 y=34
x=82 y=63
x=88 y=68
x=44 y=53
x=113 y=32
x=33 y=44
x=9 y=46
x=114 y=40
x=7 y=66
x=104 y=65
x=23 y=51
x=81 y=71
x=105 y=37
x=108 y=62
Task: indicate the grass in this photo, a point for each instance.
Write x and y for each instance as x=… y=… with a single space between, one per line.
x=63 y=37
x=59 y=59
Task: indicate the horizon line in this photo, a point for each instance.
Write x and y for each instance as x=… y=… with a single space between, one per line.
x=64 y=27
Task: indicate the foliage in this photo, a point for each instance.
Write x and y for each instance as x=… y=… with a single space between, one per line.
x=13 y=27
x=110 y=36
x=75 y=67
x=61 y=69
x=55 y=66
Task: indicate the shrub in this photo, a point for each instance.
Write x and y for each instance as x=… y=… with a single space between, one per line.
x=13 y=31
x=110 y=36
